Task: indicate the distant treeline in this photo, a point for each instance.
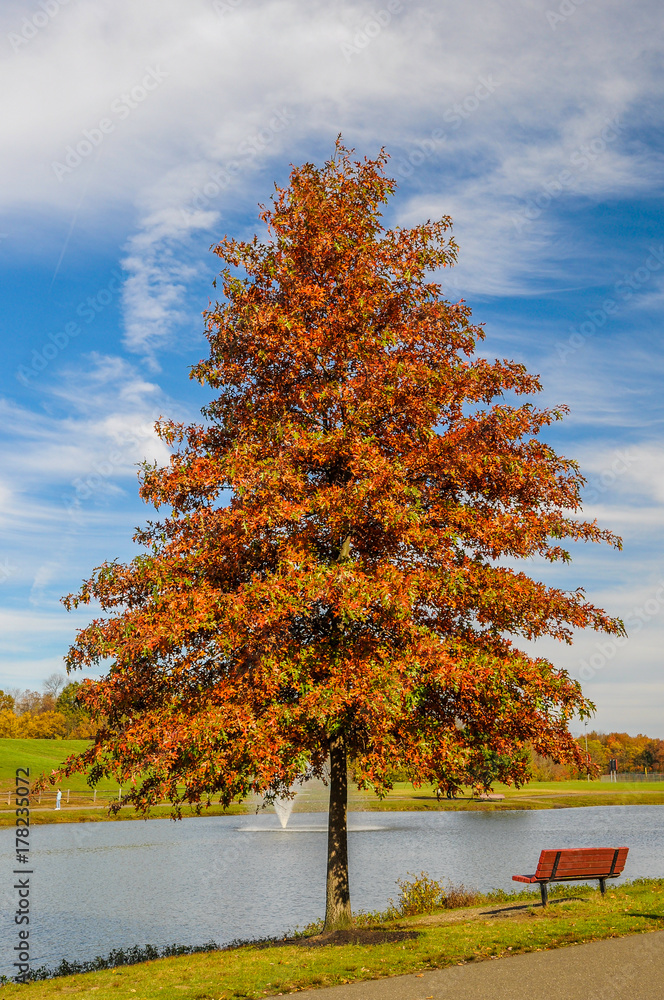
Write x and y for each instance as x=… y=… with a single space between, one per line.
x=632 y=753
x=54 y=714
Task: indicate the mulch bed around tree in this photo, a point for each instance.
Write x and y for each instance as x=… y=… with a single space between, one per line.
x=354 y=935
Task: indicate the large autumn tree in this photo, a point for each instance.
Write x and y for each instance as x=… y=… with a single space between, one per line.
x=326 y=584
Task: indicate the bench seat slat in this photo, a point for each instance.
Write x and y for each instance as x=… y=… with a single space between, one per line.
x=590 y=871
x=586 y=863
x=548 y=856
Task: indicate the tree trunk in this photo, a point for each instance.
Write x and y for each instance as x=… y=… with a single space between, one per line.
x=337 y=909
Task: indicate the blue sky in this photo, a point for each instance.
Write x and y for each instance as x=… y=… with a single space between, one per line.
x=136 y=135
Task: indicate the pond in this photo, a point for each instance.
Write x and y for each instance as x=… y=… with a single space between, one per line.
x=98 y=886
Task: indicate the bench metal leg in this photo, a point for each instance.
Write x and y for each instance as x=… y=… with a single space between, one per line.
x=544 y=892
x=602 y=885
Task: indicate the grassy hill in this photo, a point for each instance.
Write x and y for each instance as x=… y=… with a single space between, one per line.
x=39 y=756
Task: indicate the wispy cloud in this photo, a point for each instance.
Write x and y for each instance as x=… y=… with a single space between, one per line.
x=109 y=410
x=68 y=486
x=514 y=145
x=155 y=289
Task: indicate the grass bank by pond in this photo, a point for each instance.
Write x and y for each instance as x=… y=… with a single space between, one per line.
x=78 y=805
x=499 y=926
x=536 y=795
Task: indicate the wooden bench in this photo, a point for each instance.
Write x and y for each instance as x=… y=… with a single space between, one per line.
x=576 y=864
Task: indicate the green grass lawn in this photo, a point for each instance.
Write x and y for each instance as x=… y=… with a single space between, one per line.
x=447 y=937
x=534 y=795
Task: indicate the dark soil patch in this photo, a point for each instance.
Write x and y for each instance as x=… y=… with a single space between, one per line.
x=354 y=935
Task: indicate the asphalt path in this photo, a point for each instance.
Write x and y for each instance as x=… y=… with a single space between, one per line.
x=627 y=968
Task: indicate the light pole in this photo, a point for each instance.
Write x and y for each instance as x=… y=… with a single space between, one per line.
x=585 y=733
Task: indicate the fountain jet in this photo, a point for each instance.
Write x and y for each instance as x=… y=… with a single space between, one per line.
x=283 y=808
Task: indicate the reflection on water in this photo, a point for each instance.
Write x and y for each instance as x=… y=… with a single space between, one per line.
x=296 y=829
x=98 y=886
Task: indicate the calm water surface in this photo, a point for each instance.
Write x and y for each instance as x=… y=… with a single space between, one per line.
x=97 y=886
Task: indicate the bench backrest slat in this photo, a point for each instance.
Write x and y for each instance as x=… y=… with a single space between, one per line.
x=579 y=861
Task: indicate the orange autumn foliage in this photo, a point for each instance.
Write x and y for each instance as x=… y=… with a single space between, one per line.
x=331 y=560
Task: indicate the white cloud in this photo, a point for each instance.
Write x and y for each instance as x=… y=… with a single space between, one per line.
x=111 y=411
x=70 y=477
x=29 y=673
x=221 y=80
x=634 y=472
x=155 y=291
x=17 y=626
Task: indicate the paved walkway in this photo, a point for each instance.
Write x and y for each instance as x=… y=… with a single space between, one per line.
x=629 y=968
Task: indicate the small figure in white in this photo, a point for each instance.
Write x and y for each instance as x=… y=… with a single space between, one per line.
x=58 y=799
